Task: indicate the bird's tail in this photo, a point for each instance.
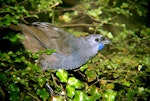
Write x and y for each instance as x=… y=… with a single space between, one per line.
x=31 y=41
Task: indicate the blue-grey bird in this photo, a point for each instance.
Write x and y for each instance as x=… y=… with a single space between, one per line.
x=71 y=52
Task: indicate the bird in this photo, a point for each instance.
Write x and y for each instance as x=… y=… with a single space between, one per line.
x=71 y=52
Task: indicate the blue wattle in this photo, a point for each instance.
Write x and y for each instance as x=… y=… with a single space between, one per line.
x=101 y=46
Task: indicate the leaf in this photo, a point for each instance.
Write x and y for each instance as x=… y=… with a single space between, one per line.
x=110 y=95
x=70 y=91
x=43 y=94
x=62 y=75
x=80 y=96
x=49 y=52
x=94 y=92
x=72 y=81
x=91 y=75
x=13 y=92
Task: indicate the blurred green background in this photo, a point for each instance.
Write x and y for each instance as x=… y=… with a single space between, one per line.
x=119 y=72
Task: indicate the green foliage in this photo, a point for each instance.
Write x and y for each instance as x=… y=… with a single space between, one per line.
x=119 y=72
x=14 y=10
x=43 y=94
x=62 y=75
x=110 y=95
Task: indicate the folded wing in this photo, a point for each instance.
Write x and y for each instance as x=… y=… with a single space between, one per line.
x=42 y=35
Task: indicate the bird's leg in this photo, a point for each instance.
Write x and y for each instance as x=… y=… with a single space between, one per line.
x=49 y=88
x=51 y=91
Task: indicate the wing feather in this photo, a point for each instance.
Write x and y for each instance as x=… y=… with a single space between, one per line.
x=43 y=35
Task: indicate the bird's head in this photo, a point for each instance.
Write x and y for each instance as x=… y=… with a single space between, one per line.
x=97 y=41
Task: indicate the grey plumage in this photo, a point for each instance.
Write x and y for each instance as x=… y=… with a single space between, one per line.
x=71 y=52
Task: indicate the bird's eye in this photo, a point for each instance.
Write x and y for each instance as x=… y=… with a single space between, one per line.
x=97 y=39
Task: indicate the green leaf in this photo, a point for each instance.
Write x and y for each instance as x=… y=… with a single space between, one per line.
x=49 y=52
x=43 y=94
x=62 y=75
x=124 y=5
x=80 y=96
x=13 y=87
x=41 y=82
x=91 y=75
x=13 y=92
x=94 y=92
x=130 y=94
x=82 y=68
x=127 y=83
x=110 y=95
x=70 y=91
x=35 y=56
x=12 y=38
x=72 y=81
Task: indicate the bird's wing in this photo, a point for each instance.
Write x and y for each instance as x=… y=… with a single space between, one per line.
x=43 y=35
